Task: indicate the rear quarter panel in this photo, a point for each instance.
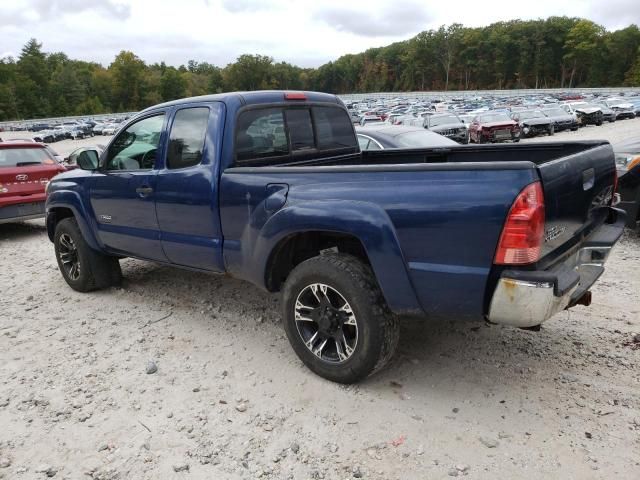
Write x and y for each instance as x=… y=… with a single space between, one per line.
x=430 y=234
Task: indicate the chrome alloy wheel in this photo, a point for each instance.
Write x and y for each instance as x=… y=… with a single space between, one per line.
x=326 y=323
x=68 y=253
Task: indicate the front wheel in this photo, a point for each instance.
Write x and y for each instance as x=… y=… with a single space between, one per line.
x=336 y=318
x=82 y=268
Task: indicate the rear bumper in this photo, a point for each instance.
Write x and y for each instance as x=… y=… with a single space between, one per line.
x=24 y=211
x=528 y=298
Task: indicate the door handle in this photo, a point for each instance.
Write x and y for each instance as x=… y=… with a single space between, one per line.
x=144 y=191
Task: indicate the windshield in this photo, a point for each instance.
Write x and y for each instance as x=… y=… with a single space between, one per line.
x=494 y=117
x=422 y=139
x=19 y=157
x=435 y=121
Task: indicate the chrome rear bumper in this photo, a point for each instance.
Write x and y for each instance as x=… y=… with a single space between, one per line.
x=525 y=298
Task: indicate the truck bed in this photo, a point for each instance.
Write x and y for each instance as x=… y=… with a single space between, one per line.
x=537 y=154
x=446 y=206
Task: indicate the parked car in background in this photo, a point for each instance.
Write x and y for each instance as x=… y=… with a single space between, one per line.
x=45 y=136
x=589 y=115
x=491 y=127
x=562 y=120
x=97 y=128
x=608 y=115
x=448 y=125
x=533 y=123
x=623 y=108
x=628 y=166
x=55 y=155
x=111 y=129
x=383 y=137
x=25 y=170
x=370 y=120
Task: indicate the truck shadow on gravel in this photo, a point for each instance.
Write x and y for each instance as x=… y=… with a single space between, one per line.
x=22 y=230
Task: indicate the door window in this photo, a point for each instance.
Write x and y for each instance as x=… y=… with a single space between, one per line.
x=186 y=140
x=135 y=148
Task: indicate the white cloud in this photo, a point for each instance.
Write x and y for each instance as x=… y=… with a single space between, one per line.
x=304 y=32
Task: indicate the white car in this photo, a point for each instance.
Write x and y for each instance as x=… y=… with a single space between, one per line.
x=110 y=129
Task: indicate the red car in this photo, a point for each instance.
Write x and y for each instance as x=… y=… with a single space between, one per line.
x=25 y=171
x=493 y=127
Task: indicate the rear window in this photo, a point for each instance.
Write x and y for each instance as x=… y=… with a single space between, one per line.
x=300 y=129
x=277 y=135
x=22 y=157
x=261 y=134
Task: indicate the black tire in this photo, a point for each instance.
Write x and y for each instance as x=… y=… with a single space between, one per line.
x=377 y=330
x=574 y=129
x=598 y=123
x=94 y=271
x=552 y=130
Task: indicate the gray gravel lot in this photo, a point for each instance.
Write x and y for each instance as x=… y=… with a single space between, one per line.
x=230 y=400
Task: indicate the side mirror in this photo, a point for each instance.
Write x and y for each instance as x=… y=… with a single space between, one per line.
x=88 y=160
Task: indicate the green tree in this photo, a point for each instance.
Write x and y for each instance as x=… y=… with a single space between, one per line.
x=172 y=84
x=128 y=73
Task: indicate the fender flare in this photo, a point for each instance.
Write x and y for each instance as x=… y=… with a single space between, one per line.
x=71 y=200
x=367 y=222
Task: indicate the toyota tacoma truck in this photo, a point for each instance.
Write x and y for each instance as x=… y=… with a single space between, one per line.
x=272 y=188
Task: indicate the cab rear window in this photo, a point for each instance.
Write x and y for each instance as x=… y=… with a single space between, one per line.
x=22 y=157
x=273 y=135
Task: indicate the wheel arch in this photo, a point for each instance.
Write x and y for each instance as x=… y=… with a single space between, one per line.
x=65 y=204
x=358 y=228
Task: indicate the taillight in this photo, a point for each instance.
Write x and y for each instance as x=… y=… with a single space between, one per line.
x=522 y=234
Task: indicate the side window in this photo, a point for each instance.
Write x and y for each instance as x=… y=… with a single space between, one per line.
x=261 y=134
x=135 y=147
x=300 y=129
x=333 y=128
x=186 y=140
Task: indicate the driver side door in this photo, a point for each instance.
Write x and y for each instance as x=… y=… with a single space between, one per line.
x=122 y=191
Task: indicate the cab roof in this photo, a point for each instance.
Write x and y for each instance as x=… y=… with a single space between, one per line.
x=254 y=97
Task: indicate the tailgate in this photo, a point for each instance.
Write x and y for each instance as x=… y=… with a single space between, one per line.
x=18 y=184
x=577 y=191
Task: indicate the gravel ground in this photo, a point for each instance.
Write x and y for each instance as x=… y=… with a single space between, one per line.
x=230 y=400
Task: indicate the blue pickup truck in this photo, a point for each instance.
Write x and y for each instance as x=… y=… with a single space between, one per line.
x=271 y=187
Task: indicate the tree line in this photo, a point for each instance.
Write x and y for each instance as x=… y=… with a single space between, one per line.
x=557 y=52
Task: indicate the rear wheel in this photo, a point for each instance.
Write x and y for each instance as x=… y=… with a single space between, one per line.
x=82 y=268
x=336 y=318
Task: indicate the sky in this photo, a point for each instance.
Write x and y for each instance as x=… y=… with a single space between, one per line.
x=307 y=33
